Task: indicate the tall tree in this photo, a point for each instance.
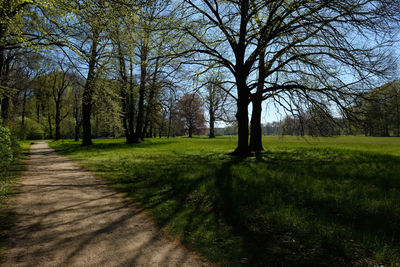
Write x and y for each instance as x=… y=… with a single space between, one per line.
x=59 y=87
x=216 y=99
x=82 y=26
x=303 y=40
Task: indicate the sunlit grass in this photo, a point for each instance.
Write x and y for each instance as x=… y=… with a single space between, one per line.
x=325 y=201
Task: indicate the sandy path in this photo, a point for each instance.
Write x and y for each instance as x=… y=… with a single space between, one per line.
x=66 y=217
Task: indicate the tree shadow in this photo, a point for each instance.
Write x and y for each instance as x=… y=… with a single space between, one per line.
x=197 y=188
x=281 y=208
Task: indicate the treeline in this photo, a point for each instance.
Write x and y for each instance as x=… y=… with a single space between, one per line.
x=48 y=104
x=108 y=68
x=375 y=113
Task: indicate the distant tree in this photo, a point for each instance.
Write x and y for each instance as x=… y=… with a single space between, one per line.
x=191 y=113
x=60 y=84
x=216 y=100
x=379 y=111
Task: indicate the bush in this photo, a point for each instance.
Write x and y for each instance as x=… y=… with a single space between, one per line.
x=31 y=130
x=6 y=154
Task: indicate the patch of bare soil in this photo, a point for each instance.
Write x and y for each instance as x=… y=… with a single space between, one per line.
x=67 y=217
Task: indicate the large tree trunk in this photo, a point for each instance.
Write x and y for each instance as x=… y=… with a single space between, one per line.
x=77 y=128
x=5 y=101
x=5 y=106
x=242 y=117
x=190 y=130
x=124 y=94
x=397 y=115
x=143 y=73
x=255 y=128
x=150 y=103
x=76 y=117
x=5 y=63
x=88 y=91
x=86 y=112
x=212 y=123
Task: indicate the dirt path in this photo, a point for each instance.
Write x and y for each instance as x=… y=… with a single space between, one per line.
x=66 y=217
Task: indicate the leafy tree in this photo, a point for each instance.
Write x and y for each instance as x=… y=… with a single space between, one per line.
x=23 y=26
x=378 y=111
x=82 y=26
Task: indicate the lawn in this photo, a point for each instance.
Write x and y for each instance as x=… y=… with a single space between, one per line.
x=326 y=201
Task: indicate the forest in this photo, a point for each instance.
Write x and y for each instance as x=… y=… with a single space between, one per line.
x=216 y=113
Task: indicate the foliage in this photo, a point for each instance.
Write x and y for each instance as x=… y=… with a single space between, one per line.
x=31 y=130
x=380 y=110
x=6 y=154
x=307 y=202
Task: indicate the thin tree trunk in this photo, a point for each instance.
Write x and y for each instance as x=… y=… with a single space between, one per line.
x=23 y=110
x=169 y=123
x=50 y=125
x=58 y=120
x=131 y=105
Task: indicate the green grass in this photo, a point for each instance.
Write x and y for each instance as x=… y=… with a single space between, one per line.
x=7 y=180
x=327 y=201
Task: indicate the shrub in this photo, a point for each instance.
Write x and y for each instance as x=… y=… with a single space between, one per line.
x=31 y=130
x=6 y=154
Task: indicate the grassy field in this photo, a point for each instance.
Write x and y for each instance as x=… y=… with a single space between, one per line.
x=327 y=201
x=7 y=180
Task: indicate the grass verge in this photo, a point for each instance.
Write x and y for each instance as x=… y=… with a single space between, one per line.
x=7 y=180
x=302 y=202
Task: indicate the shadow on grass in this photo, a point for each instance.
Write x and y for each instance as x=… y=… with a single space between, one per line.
x=304 y=207
x=66 y=148
x=7 y=179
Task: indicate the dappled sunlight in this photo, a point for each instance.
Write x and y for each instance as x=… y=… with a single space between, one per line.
x=64 y=216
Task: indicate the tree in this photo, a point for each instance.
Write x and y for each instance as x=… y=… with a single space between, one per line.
x=77 y=106
x=293 y=42
x=22 y=27
x=192 y=114
x=59 y=87
x=82 y=27
x=216 y=100
x=378 y=111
